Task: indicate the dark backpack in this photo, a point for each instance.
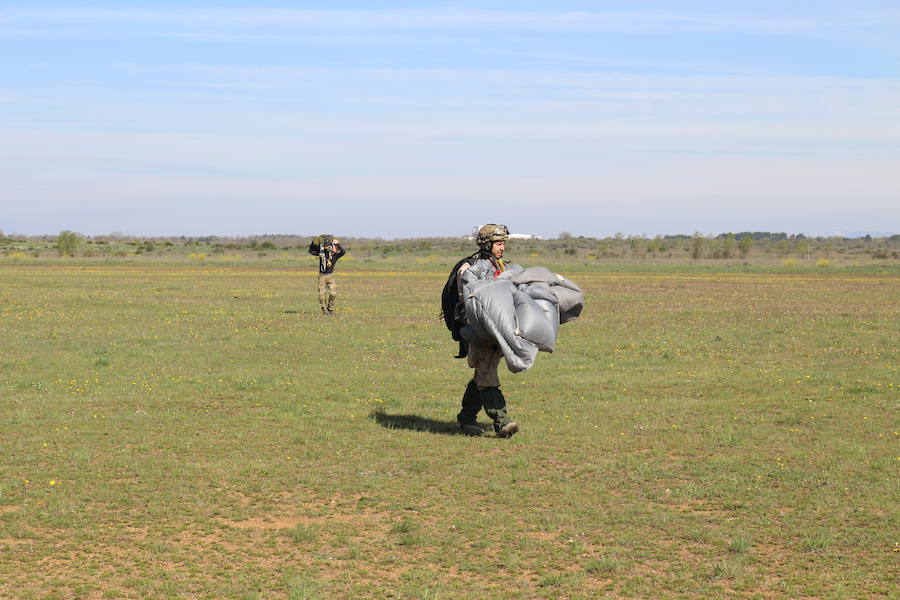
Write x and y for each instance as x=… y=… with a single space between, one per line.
x=451 y=309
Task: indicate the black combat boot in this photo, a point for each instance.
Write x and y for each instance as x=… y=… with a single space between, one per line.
x=507 y=430
x=468 y=416
x=495 y=406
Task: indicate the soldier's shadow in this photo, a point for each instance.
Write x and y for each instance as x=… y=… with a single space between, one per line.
x=415 y=423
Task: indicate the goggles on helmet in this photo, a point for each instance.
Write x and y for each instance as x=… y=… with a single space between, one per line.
x=492 y=233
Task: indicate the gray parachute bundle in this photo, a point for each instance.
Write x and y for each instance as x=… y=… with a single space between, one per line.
x=520 y=310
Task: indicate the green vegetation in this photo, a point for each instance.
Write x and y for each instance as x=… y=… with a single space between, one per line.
x=178 y=427
x=762 y=249
x=67 y=243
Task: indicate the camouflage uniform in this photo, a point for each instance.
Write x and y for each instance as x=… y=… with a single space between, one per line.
x=327 y=292
x=483 y=390
x=328 y=250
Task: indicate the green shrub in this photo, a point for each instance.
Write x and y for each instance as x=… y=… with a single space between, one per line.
x=739 y=544
x=601 y=565
x=67 y=243
x=818 y=542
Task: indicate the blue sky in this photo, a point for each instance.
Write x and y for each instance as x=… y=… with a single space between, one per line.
x=407 y=119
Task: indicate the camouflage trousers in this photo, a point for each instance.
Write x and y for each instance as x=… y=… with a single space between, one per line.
x=485 y=359
x=483 y=391
x=327 y=292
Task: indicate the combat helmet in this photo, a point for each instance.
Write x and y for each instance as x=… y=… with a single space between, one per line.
x=490 y=233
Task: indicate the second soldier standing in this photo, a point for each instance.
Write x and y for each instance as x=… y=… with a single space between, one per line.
x=328 y=250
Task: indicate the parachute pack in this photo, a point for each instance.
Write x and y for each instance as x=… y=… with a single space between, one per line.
x=321 y=247
x=520 y=310
x=323 y=241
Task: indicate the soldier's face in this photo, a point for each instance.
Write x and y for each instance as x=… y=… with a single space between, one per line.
x=497 y=249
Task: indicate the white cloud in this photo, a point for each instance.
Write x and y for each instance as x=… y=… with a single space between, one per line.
x=537 y=97
x=630 y=22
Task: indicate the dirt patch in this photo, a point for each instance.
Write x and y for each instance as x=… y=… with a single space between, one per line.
x=274 y=523
x=283 y=519
x=336 y=510
x=14 y=542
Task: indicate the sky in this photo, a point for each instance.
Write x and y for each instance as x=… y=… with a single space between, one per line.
x=415 y=119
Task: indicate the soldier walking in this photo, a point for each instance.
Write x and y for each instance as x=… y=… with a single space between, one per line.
x=483 y=390
x=328 y=249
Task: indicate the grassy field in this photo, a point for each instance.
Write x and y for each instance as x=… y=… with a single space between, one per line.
x=201 y=431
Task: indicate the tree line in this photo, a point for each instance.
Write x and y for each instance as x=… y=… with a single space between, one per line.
x=697 y=246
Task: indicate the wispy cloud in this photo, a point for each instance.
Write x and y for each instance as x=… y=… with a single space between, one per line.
x=586 y=111
x=659 y=95
x=630 y=22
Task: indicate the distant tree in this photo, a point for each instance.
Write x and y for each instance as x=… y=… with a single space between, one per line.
x=728 y=246
x=635 y=242
x=744 y=246
x=67 y=243
x=697 y=245
x=565 y=235
x=782 y=248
